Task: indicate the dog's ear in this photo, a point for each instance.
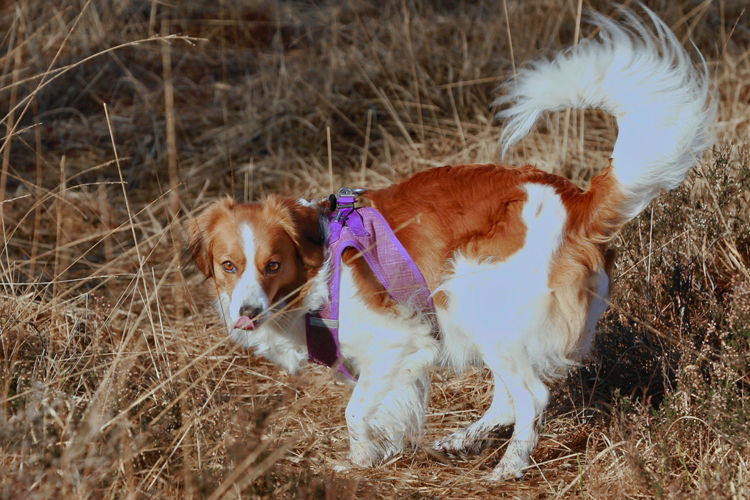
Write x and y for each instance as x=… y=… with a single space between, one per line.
x=199 y=234
x=306 y=232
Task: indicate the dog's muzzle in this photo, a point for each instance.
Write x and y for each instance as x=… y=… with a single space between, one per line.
x=247 y=315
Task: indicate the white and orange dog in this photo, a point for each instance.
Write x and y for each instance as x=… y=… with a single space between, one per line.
x=515 y=259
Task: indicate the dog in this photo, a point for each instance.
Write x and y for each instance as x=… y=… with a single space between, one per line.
x=516 y=259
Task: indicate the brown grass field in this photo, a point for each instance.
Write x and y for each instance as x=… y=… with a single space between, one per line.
x=123 y=118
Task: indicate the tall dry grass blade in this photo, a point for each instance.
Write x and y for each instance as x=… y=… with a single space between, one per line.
x=366 y=150
x=510 y=38
x=414 y=74
x=161 y=349
x=725 y=38
x=332 y=50
x=174 y=195
x=252 y=181
x=15 y=37
x=456 y=118
x=576 y=38
x=60 y=260
x=566 y=126
x=10 y=125
x=330 y=161
x=468 y=83
x=699 y=11
x=105 y=209
x=152 y=18
x=39 y=190
x=124 y=191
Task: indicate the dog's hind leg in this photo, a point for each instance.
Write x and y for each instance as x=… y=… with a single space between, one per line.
x=470 y=439
x=529 y=397
x=505 y=311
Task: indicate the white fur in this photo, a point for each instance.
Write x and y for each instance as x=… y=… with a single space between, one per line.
x=248 y=290
x=662 y=104
x=598 y=305
x=499 y=312
x=281 y=339
x=392 y=355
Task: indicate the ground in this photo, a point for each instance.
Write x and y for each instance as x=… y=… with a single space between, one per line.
x=123 y=119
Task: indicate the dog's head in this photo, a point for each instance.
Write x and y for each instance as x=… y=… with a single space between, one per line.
x=260 y=257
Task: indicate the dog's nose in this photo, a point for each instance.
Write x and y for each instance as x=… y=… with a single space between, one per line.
x=250 y=311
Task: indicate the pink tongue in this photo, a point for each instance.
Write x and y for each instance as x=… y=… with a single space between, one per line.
x=244 y=323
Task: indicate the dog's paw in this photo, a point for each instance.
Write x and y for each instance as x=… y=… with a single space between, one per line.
x=455 y=445
x=341 y=467
x=507 y=469
x=501 y=474
x=361 y=455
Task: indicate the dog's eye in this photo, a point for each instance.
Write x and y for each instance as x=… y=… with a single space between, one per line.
x=229 y=267
x=273 y=267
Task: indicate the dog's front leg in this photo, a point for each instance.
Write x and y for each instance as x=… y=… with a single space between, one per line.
x=362 y=450
x=387 y=408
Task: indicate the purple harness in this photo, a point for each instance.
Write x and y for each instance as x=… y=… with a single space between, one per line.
x=365 y=230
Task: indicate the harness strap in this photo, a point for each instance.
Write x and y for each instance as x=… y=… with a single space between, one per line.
x=367 y=231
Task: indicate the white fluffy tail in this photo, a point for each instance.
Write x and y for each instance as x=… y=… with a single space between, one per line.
x=646 y=80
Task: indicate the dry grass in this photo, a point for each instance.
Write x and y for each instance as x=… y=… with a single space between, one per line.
x=117 y=380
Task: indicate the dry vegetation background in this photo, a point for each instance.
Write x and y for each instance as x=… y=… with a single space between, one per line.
x=117 y=380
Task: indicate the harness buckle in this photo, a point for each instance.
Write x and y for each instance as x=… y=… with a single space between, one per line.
x=346 y=198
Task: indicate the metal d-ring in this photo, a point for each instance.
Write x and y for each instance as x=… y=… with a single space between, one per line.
x=345 y=191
